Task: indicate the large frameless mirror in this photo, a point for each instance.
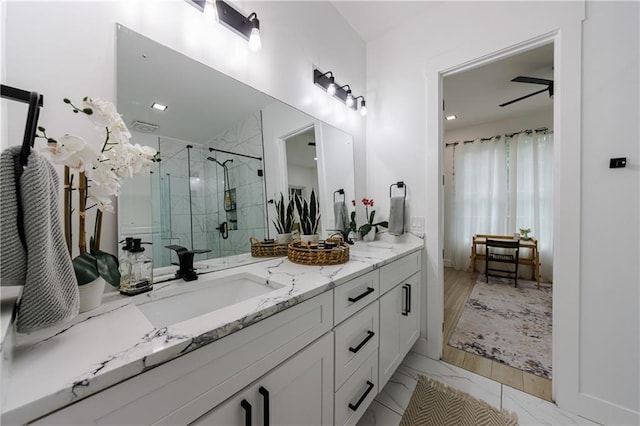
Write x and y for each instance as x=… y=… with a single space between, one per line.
x=225 y=151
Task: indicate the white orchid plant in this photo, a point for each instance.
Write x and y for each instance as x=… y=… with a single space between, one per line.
x=100 y=174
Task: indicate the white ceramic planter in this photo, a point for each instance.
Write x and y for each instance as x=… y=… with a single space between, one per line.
x=91 y=294
x=310 y=239
x=371 y=235
x=283 y=238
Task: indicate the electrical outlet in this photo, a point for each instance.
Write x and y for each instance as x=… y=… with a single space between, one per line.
x=417 y=223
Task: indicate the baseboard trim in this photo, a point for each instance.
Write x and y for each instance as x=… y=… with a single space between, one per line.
x=606 y=412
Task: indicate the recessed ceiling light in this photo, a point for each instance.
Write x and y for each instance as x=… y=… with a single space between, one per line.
x=451 y=117
x=158 y=106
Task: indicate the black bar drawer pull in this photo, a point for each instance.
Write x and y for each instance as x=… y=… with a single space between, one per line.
x=265 y=394
x=370 y=334
x=365 y=294
x=408 y=298
x=364 y=395
x=247 y=412
x=405 y=291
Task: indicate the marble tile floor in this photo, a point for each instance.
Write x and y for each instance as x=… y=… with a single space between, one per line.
x=389 y=405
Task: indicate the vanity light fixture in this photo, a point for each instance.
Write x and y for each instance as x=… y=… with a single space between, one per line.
x=247 y=28
x=451 y=117
x=327 y=81
x=159 y=107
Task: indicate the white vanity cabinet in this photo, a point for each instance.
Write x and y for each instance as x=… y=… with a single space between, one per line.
x=399 y=313
x=320 y=362
x=298 y=392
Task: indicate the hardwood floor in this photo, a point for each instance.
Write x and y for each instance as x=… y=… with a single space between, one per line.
x=457 y=287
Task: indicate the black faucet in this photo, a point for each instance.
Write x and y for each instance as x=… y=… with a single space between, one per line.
x=185 y=256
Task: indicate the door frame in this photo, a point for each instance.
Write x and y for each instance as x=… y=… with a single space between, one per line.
x=566 y=199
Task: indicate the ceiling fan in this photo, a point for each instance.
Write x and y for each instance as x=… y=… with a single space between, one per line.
x=532 y=80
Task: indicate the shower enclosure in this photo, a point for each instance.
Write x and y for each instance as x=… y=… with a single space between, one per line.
x=206 y=198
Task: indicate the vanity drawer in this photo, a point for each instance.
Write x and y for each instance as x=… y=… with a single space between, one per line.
x=355 y=396
x=356 y=339
x=395 y=272
x=349 y=298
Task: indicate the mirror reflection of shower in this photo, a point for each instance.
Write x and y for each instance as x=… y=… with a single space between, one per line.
x=206 y=199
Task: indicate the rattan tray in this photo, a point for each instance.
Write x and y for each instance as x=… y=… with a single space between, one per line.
x=318 y=254
x=267 y=248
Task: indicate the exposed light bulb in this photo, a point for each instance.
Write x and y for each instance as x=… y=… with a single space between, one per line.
x=255 y=44
x=331 y=89
x=349 y=100
x=363 y=108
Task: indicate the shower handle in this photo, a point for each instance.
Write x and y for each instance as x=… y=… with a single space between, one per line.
x=224 y=230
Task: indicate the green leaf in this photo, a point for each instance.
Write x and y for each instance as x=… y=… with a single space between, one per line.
x=371 y=216
x=86 y=268
x=108 y=267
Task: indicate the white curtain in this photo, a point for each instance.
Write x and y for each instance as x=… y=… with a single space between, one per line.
x=533 y=154
x=480 y=195
x=499 y=186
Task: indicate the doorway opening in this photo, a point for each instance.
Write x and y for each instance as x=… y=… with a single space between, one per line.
x=498 y=181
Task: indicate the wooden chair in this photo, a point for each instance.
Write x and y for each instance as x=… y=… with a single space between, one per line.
x=507 y=258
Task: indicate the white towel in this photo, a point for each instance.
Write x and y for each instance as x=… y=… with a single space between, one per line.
x=396 y=216
x=50 y=294
x=340 y=215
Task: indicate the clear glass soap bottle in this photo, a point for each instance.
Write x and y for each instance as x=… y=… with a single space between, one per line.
x=125 y=263
x=141 y=277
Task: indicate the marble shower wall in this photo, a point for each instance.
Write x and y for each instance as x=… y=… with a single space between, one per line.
x=249 y=215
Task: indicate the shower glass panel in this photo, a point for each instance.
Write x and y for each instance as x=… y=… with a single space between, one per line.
x=207 y=199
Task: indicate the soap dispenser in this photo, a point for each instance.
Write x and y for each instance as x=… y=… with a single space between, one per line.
x=141 y=277
x=125 y=263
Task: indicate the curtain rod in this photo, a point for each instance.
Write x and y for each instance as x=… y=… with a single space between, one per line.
x=508 y=135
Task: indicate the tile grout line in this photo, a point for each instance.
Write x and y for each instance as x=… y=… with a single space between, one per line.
x=389 y=408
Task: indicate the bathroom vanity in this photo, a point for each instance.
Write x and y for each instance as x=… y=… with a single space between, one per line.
x=315 y=346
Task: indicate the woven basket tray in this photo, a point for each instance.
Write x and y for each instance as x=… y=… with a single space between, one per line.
x=318 y=254
x=267 y=249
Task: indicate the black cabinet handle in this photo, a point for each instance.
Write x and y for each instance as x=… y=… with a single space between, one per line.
x=265 y=394
x=408 y=298
x=370 y=334
x=405 y=291
x=365 y=294
x=247 y=412
x=364 y=395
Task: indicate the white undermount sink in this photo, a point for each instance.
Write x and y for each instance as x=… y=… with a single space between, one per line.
x=203 y=296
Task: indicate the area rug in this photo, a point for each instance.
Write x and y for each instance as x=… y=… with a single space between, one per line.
x=434 y=403
x=508 y=324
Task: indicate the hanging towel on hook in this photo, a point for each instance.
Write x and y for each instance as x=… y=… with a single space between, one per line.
x=396 y=216
x=13 y=256
x=50 y=290
x=340 y=216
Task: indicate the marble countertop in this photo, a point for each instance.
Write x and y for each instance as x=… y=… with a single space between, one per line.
x=52 y=368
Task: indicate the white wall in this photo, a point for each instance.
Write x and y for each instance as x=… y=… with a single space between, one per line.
x=598 y=284
x=67 y=49
x=609 y=297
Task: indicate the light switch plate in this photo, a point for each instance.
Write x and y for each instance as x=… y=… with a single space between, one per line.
x=417 y=223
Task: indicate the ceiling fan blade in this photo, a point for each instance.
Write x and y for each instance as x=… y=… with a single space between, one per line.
x=532 y=80
x=523 y=97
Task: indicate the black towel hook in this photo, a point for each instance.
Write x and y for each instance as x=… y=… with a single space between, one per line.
x=399 y=184
x=30 y=128
x=35 y=101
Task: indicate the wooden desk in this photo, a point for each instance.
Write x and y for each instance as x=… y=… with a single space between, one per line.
x=532 y=244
